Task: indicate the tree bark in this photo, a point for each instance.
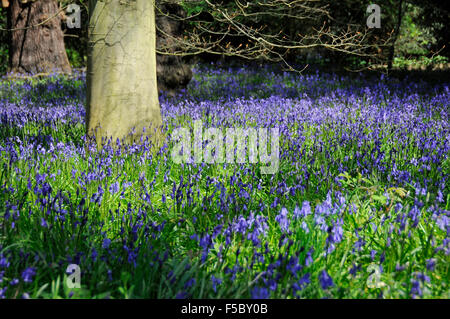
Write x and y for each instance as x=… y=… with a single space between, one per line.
x=38 y=44
x=122 y=92
x=173 y=72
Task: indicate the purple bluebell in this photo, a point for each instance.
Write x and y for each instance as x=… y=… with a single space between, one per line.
x=325 y=280
x=283 y=220
x=28 y=274
x=260 y=293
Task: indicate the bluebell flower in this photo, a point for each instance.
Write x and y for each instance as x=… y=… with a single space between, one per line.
x=94 y=254
x=106 y=243
x=423 y=277
x=306 y=209
x=398 y=267
x=3 y=293
x=359 y=244
x=215 y=282
x=272 y=284
x=335 y=235
x=305 y=227
x=416 y=291
x=301 y=284
x=114 y=188
x=325 y=280
x=309 y=259
x=189 y=283
x=205 y=241
x=383 y=257
x=431 y=264
x=182 y=295
x=4 y=262
x=260 y=293
x=283 y=220
x=28 y=274
x=354 y=270
x=440 y=197
x=43 y=223
x=98 y=196
x=14 y=282
x=297 y=212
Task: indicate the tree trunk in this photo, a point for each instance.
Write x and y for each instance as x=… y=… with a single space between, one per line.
x=173 y=72
x=122 y=92
x=38 y=45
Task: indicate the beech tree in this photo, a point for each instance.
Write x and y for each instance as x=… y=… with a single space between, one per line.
x=37 y=40
x=122 y=87
x=122 y=94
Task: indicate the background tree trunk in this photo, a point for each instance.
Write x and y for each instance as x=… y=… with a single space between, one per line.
x=173 y=71
x=39 y=47
x=122 y=90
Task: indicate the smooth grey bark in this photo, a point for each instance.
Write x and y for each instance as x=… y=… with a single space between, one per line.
x=122 y=92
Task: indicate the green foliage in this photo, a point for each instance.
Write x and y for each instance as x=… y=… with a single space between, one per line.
x=75 y=59
x=401 y=62
x=194 y=7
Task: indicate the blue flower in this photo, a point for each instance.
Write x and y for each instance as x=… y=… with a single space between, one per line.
x=215 y=282
x=205 y=241
x=301 y=284
x=440 y=197
x=28 y=274
x=283 y=220
x=98 y=196
x=14 y=282
x=114 y=188
x=94 y=254
x=106 y=243
x=297 y=212
x=189 y=283
x=309 y=259
x=423 y=277
x=325 y=280
x=182 y=295
x=43 y=223
x=3 y=293
x=260 y=293
x=4 y=263
x=431 y=264
x=354 y=270
x=416 y=291
x=306 y=209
